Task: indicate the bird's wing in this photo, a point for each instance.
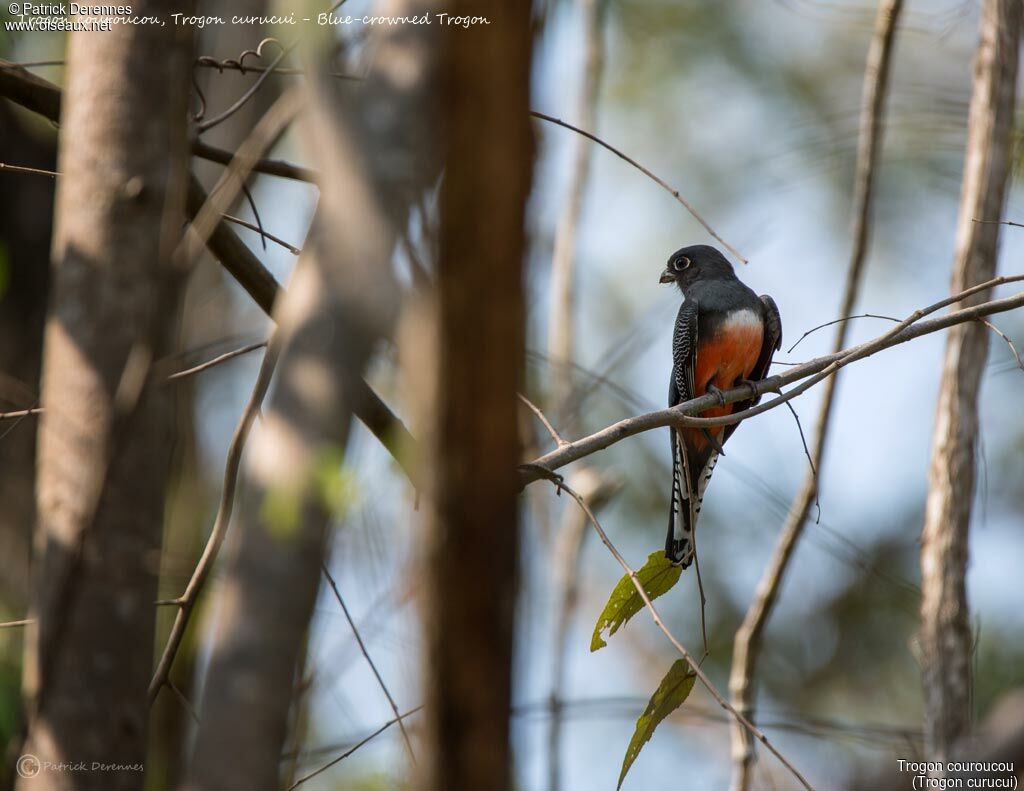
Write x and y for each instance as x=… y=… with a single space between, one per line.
x=772 y=337
x=771 y=343
x=684 y=351
x=680 y=389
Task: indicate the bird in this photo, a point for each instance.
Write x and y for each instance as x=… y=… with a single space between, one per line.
x=725 y=336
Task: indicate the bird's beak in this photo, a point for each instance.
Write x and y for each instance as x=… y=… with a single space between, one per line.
x=667 y=277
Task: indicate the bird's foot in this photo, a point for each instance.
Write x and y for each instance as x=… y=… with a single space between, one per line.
x=749 y=384
x=716 y=393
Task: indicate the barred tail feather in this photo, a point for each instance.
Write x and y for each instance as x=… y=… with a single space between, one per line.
x=678 y=546
x=679 y=543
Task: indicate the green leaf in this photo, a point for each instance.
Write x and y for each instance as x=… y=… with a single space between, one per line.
x=657 y=576
x=669 y=696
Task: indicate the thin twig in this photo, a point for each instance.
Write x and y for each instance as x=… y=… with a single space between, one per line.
x=369 y=661
x=1001 y=334
x=256 y=214
x=543 y=419
x=701 y=675
x=204 y=61
x=271 y=167
x=265 y=134
x=837 y=321
x=21 y=413
x=185 y=704
x=265 y=234
x=352 y=749
x=245 y=97
x=208 y=62
x=1000 y=222
x=188 y=372
x=187 y=600
x=22 y=169
x=657 y=180
x=810 y=461
x=219 y=359
x=15 y=624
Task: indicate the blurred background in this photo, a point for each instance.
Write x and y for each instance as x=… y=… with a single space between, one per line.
x=750 y=110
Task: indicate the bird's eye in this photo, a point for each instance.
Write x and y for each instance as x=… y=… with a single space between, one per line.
x=681 y=263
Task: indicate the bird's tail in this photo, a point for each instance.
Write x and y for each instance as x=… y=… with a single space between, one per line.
x=682 y=520
x=679 y=541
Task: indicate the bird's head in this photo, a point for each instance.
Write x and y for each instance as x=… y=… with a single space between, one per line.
x=698 y=262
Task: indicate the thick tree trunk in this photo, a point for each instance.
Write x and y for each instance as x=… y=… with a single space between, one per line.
x=103 y=441
x=945 y=630
x=473 y=531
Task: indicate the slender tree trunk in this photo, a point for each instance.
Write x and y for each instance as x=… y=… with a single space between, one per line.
x=945 y=632
x=748 y=640
x=105 y=436
x=340 y=302
x=561 y=352
x=473 y=530
x=562 y=315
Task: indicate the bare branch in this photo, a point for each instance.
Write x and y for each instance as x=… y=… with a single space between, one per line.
x=837 y=321
x=1001 y=334
x=32 y=171
x=16 y=624
x=352 y=749
x=218 y=360
x=656 y=179
x=812 y=371
x=369 y=661
x=271 y=167
x=541 y=417
x=21 y=413
x=277 y=240
x=187 y=601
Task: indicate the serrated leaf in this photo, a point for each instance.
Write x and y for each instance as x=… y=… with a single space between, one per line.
x=657 y=576
x=673 y=690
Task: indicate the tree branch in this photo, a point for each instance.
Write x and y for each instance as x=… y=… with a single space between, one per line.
x=186 y=603
x=271 y=167
x=656 y=179
x=812 y=371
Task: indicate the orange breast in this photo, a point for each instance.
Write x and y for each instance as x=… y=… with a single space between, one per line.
x=730 y=354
